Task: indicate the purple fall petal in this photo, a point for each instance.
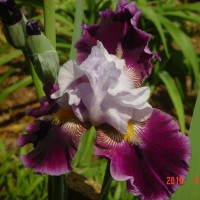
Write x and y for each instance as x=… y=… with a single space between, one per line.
x=55 y=135
x=30 y=137
x=54 y=147
x=162 y=151
x=120 y=35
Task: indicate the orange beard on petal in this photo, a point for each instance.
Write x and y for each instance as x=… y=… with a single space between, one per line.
x=131 y=135
x=62 y=115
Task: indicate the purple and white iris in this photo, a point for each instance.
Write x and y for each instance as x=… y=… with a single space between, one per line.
x=120 y=36
x=103 y=88
x=100 y=91
x=55 y=135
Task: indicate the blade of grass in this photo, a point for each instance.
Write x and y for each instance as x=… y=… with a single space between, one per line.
x=190 y=188
x=6 y=75
x=170 y=2
x=64 y=21
x=185 y=6
x=118 y=190
x=106 y=183
x=91 y=7
x=181 y=89
x=61 y=45
x=77 y=28
x=49 y=21
x=86 y=148
x=30 y=3
x=10 y=57
x=20 y=84
x=4 y=47
x=175 y=97
x=152 y=16
x=38 y=84
x=34 y=185
x=185 y=45
x=184 y=15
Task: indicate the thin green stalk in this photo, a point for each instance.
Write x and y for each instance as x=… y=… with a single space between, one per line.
x=20 y=84
x=49 y=21
x=85 y=151
x=91 y=4
x=77 y=28
x=10 y=57
x=6 y=75
x=106 y=183
x=36 y=80
x=57 y=188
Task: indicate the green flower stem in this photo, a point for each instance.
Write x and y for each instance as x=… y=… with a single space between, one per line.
x=106 y=183
x=57 y=188
x=77 y=24
x=36 y=80
x=49 y=21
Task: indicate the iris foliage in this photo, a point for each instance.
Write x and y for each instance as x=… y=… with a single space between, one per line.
x=166 y=20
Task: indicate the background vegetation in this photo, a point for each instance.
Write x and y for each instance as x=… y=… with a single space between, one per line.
x=174 y=82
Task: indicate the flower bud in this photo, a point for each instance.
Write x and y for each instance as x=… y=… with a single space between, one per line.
x=14 y=23
x=9 y=12
x=32 y=28
x=41 y=53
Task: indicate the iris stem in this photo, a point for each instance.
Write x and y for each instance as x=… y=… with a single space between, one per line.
x=57 y=188
x=36 y=80
x=49 y=21
x=77 y=28
x=106 y=183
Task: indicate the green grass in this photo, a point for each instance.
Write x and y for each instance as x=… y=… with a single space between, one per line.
x=166 y=21
x=17 y=182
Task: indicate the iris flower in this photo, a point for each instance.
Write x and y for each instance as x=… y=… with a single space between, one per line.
x=151 y=150
x=55 y=135
x=120 y=36
x=103 y=88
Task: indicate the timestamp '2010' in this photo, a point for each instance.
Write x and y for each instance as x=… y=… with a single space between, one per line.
x=171 y=180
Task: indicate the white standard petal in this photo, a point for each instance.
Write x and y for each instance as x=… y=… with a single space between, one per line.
x=100 y=91
x=68 y=73
x=110 y=96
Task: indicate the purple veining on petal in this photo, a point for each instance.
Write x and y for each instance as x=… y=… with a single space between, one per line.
x=119 y=29
x=163 y=152
x=25 y=139
x=54 y=147
x=55 y=135
x=106 y=92
x=85 y=43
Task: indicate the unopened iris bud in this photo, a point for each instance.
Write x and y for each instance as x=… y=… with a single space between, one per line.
x=41 y=53
x=9 y=12
x=32 y=28
x=14 y=23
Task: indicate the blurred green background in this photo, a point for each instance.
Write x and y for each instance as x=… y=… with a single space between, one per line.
x=175 y=29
